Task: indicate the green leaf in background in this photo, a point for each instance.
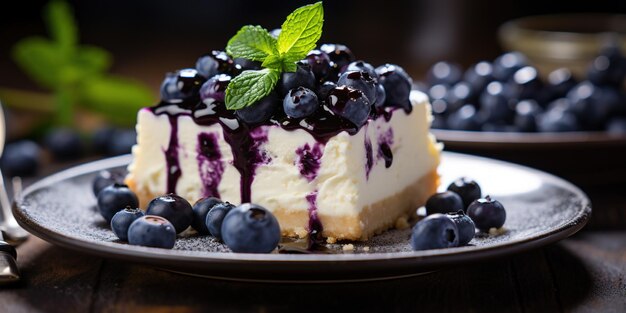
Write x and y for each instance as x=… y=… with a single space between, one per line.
x=253 y=43
x=93 y=59
x=61 y=25
x=301 y=31
x=249 y=87
x=40 y=59
x=115 y=97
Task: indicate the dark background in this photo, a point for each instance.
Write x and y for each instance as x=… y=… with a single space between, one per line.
x=149 y=38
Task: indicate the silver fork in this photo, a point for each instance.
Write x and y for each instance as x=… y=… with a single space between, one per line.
x=8 y=224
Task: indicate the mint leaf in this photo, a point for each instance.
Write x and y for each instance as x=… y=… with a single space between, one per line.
x=41 y=59
x=253 y=43
x=61 y=24
x=92 y=59
x=249 y=87
x=273 y=61
x=301 y=31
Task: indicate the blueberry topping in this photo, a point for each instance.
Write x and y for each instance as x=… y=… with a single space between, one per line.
x=320 y=64
x=215 y=218
x=302 y=77
x=214 y=63
x=466 y=227
x=487 y=213
x=173 y=208
x=350 y=104
x=105 y=179
x=21 y=158
x=507 y=64
x=115 y=198
x=444 y=73
x=200 y=210
x=444 y=202
x=152 y=231
x=121 y=221
x=362 y=66
x=250 y=228
x=361 y=81
x=259 y=111
x=300 y=102
x=65 y=144
x=397 y=85
x=436 y=231
x=182 y=87
x=324 y=89
x=467 y=189
x=527 y=113
x=381 y=96
x=340 y=55
x=214 y=89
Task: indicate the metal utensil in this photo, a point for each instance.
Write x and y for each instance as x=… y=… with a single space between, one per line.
x=9 y=273
x=8 y=224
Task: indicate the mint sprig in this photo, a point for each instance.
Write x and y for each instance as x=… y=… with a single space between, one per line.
x=299 y=35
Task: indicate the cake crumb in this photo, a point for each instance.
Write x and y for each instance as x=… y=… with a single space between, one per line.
x=348 y=247
x=331 y=240
x=497 y=231
x=402 y=223
x=366 y=248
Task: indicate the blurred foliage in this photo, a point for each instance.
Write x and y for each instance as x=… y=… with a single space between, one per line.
x=77 y=74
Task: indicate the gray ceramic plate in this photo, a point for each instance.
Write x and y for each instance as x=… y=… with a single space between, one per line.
x=541 y=209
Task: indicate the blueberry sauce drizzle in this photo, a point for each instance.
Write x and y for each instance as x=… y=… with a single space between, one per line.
x=171 y=156
x=369 y=157
x=315 y=224
x=385 y=140
x=308 y=160
x=209 y=164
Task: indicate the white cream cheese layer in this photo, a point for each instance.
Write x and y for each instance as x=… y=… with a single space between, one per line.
x=343 y=184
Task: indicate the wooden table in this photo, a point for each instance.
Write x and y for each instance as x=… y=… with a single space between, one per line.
x=585 y=273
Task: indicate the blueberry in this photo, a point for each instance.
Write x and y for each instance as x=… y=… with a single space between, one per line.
x=438 y=92
x=250 y=228
x=478 y=76
x=439 y=122
x=101 y=138
x=115 y=198
x=464 y=119
x=444 y=202
x=362 y=66
x=300 y=102
x=593 y=104
x=65 y=144
x=487 y=213
x=182 y=87
x=381 y=96
x=361 y=81
x=467 y=188
x=436 y=231
x=215 y=218
x=561 y=81
x=259 y=111
x=275 y=32
x=397 y=85
x=340 y=55
x=466 y=227
x=21 y=158
x=200 y=210
x=561 y=104
x=526 y=115
x=213 y=63
x=245 y=64
x=104 y=179
x=214 y=89
x=121 y=221
x=616 y=125
x=459 y=94
x=324 y=89
x=441 y=108
x=526 y=84
x=507 y=64
x=494 y=104
x=152 y=231
x=444 y=73
x=122 y=142
x=174 y=208
x=302 y=77
x=608 y=68
x=350 y=104
x=558 y=120
x=320 y=64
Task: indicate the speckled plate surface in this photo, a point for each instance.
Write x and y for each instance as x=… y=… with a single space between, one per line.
x=541 y=209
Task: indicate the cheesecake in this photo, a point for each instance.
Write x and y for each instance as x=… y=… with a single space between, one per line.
x=333 y=146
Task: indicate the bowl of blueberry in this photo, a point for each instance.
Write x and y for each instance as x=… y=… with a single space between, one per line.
x=555 y=121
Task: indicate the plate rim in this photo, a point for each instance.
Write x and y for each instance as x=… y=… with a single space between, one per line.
x=193 y=258
x=521 y=139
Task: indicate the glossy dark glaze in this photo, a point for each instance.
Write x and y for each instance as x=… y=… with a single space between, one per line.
x=210 y=164
x=385 y=141
x=171 y=157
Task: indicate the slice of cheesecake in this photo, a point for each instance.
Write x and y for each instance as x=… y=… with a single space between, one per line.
x=313 y=174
